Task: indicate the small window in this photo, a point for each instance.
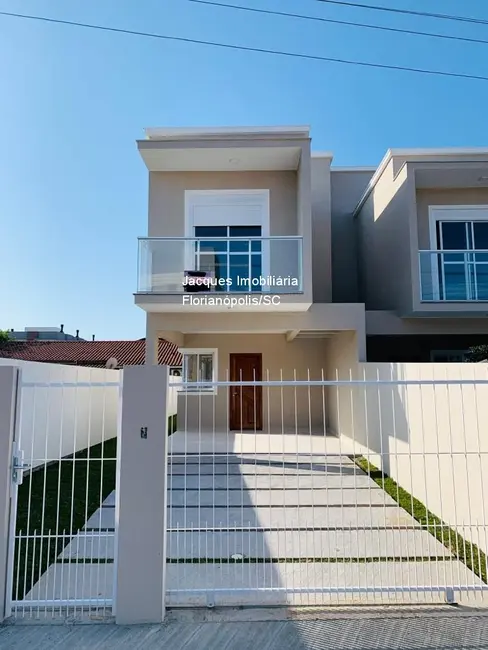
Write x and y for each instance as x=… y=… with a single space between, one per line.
x=448 y=356
x=199 y=365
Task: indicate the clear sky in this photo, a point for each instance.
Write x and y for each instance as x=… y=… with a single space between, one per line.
x=73 y=190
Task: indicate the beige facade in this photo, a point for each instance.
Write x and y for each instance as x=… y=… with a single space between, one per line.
x=394 y=229
x=167 y=197
x=354 y=235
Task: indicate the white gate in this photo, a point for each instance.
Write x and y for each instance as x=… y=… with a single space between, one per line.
x=356 y=490
x=62 y=525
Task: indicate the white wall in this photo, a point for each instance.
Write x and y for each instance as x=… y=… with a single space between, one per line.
x=73 y=414
x=431 y=439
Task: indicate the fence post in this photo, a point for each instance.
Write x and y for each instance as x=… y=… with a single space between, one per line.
x=8 y=395
x=141 y=496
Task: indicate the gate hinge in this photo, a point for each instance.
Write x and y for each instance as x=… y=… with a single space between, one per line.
x=18 y=467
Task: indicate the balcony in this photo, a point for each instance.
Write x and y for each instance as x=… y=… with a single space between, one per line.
x=451 y=276
x=257 y=267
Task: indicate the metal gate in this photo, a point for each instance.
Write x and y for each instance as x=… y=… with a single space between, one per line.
x=62 y=524
x=370 y=490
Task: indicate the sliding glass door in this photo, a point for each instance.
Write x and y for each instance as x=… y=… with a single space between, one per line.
x=463 y=273
x=234 y=257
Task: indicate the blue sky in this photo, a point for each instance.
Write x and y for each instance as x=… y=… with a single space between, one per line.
x=73 y=190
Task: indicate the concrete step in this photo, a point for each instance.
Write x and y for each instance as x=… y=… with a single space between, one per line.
x=264 y=468
x=264 y=584
x=241 y=582
x=275 y=498
x=280 y=481
x=290 y=516
x=276 y=544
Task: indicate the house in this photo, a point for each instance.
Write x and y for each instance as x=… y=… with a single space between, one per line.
x=262 y=261
x=422 y=232
x=94 y=354
x=44 y=334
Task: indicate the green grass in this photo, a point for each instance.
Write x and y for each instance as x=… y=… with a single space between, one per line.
x=62 y=496
x=74 y=487
x=467 y=552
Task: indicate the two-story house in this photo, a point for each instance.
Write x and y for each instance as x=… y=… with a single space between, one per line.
x=305 y=268
x=422 y=230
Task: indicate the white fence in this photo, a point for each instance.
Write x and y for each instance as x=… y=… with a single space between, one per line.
x=426 y=427
x=64 y=408
x=254 y=520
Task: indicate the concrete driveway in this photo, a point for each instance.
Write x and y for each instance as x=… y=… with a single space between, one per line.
x=273 y=529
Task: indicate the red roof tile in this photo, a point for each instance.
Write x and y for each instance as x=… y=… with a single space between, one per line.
x=89 y=353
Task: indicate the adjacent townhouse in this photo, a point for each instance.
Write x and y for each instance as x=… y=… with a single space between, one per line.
x=307 y=269
x=422 y=232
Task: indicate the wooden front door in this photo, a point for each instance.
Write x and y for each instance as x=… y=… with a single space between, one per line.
x=246 y=402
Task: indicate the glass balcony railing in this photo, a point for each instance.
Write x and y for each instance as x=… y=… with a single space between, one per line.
x=220 y=264
x=454 y=275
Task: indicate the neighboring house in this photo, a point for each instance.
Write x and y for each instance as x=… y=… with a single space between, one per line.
x=44 y=334
x=256 y=203
x=422 y=231
x=94 y=354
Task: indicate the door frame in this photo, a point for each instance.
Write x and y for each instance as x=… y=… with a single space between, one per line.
x=258 y=395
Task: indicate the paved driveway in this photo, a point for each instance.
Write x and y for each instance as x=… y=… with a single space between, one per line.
x=257 y=529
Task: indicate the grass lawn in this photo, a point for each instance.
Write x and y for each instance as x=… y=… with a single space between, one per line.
x=467 y=552
x=62 y=496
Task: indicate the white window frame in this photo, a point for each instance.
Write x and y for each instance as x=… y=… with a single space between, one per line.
x=449 y=213
x=214 y=353
x=246 y=197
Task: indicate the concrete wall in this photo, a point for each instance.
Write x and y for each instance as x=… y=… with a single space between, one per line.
x=347 y=188
x=321 y=230
x=56 y=421
x=433 y=197
x=342 y=363
x=386 y=243
x=430 y=439
x=167 y=197
x=282 y=407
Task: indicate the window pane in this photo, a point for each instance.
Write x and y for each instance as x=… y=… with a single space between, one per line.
x=453 y=235
x=211 y=246
x=455 y=282
x=482 y=281
x=256 y=246
x=205 y=367
x=210 y=231
x=245 y=231
x=239 y=246
x=190 y=367
x=198 y=367
x=480 y=229
x=239 y=272
x=256 y=271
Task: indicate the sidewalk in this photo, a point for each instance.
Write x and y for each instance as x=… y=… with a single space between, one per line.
x=386 y=629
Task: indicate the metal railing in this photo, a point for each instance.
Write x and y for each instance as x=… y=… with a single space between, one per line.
x=453 y=275
x=370 y=488
x=232 y=264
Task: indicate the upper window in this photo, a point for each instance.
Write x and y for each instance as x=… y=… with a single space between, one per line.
x=234 y=257
x=199 y=365
x=463 y=273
